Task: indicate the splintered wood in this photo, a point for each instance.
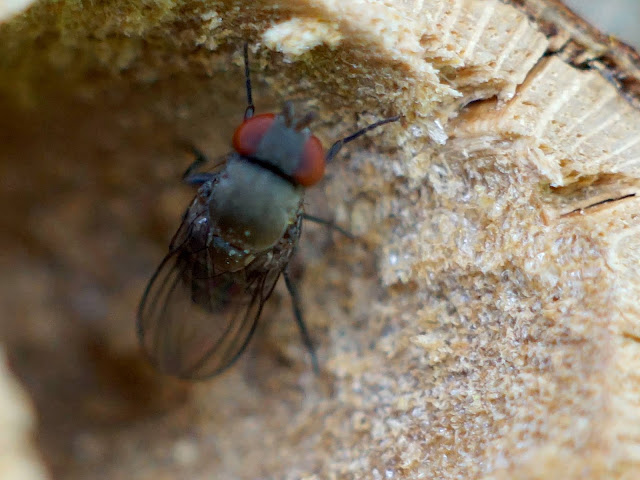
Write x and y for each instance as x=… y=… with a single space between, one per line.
x=484 y=326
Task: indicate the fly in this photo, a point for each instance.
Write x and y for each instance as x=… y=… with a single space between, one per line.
x=202 y=304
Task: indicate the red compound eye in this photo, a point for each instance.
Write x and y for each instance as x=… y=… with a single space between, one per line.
x=248 y=135
x=310 y=170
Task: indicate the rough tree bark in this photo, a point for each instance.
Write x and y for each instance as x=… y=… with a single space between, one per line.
x=484 y=325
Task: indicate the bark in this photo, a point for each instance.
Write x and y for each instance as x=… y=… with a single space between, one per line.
x=484 y=324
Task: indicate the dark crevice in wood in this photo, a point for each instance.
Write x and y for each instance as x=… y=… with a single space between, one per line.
x=596 y=204
x=631 y=336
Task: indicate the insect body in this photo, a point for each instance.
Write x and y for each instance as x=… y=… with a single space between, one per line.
x=203 y=303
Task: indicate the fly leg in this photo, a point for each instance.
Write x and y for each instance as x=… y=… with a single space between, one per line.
x=190 y=176
x=329 y=223
x=337 y=146
x=248 y=113
x=297 y=312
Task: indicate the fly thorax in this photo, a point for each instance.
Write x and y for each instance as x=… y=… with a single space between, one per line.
x=251 y=207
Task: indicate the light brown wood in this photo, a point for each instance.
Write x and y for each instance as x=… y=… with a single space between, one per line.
x=485 y=324
x=19 y=460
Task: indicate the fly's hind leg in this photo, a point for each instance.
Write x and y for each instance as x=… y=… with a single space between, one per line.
x=297 y=312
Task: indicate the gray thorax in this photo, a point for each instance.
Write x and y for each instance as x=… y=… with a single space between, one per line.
x=251 y=207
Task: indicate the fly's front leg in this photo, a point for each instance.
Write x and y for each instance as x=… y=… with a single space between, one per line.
x=190 y=176
x=337 y=146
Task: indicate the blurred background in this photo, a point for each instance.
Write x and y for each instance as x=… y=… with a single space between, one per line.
x=616 y=17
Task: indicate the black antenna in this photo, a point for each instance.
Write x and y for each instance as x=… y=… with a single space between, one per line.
x=335 y=148
x=248 y=113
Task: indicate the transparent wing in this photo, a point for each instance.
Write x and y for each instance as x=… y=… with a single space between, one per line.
x=194 y=322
